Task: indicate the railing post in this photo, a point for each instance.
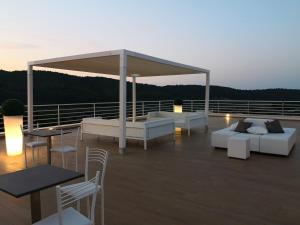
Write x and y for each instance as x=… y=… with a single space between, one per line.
x=94 y=105
x=159 y=106
x=58 y=115
x=172 y=107
x=282 y=108
x=143 y=109
x=218 y=106
x=192 y=106
x=248 y=107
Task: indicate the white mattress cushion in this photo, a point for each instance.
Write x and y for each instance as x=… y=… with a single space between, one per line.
x=288 y=132
x=257 y=130
x=278 y=143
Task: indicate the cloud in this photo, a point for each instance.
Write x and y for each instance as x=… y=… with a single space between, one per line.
x=13 y=45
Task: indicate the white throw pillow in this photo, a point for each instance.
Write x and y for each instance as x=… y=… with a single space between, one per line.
x=257 y=130
x=233 y=126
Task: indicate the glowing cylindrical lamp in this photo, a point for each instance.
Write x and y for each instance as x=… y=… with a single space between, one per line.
x=12 y=111
x=13 y=134
x=177 y=106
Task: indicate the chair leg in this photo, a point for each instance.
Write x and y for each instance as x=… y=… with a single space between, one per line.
x=76 y=159
x=32 y=149
x=81 y=135
x=53 y=155
x=38 y=153
x=63 y=160
x=102 y=207
x=88 y=207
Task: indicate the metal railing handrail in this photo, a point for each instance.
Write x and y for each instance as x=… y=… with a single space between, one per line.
x=48 y=115
x=244 y=107
x=72 y=113
x=238 y=100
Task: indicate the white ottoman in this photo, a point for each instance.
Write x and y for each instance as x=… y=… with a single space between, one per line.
x=238 y=146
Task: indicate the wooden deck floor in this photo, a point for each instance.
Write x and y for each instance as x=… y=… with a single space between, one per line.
x=186 y=183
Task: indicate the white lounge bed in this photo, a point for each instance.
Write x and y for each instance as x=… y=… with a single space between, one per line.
x=140 y=130
x=185 y=120
x=272 y=143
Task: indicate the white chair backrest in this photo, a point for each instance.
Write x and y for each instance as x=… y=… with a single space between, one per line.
x=76 y=139
x=64 y=199
x=37 y=128
x=98 y=156
x=61 y=137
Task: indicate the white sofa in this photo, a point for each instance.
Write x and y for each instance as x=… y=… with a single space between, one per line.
x=272 y=143
x=185 y=120
x=145 y=130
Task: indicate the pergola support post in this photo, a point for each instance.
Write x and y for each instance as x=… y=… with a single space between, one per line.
x=122 y=101
x=134 y=97
x=30 y=98
x=207 y=85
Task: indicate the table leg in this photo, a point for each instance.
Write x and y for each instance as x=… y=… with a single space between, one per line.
x=49 y=146
x=35 y=203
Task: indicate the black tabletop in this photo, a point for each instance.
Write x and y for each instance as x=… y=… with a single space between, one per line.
x=35 y=179
x=47 y=133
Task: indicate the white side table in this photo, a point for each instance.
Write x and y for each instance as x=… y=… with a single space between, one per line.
x=238 y=146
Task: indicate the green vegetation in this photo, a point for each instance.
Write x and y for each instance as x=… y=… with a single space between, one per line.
x=51 y=87
x=12 y=107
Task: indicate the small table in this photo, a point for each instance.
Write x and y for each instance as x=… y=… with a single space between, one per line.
x=47 y=134
x=238 y=146
x=31 y=181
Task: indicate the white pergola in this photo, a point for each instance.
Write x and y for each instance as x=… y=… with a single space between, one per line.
x=118 y=62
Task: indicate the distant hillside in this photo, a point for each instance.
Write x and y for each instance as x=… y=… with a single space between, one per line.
x=51 y=87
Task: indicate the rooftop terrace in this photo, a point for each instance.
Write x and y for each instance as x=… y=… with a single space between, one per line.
x=183 y=183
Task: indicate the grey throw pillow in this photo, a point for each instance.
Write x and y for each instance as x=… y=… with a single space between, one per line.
x=242 y=126
x=274 y=126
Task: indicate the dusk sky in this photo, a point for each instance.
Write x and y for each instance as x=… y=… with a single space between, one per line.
x=246 y=44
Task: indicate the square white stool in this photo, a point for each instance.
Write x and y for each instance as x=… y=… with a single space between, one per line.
x=238 y=146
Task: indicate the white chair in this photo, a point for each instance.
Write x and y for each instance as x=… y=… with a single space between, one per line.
x=98 y=157
x=67 y=215
x=36 y=144
x=61 y=148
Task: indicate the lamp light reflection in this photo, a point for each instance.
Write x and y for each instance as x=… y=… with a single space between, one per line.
x=177 y=109
x=227 y=118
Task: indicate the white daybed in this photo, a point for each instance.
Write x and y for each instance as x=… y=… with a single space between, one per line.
x=272 y=143
x=141 y=130
x=185 y=120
